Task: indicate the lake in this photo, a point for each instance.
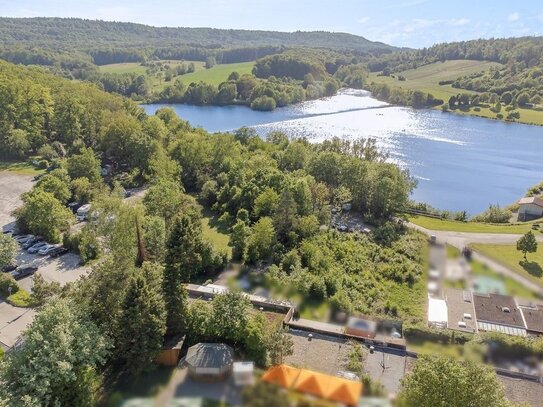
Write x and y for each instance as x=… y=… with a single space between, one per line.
x=460 y=162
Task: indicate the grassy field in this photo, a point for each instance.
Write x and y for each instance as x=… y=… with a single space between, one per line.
x=509 y=256
x=470 y=227
x=213 y=234
x=217 y=74
x=137 y=67
x=24 y=168
x=512 y=287
x=426 y=78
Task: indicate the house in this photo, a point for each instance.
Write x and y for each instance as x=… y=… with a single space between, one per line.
x=209 y=361
x=498 y=313
x=530 y=208
x=460 y=311
x=533 y=316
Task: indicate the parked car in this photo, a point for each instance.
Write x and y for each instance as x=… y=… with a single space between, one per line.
x=82 y=212
x=74 y=206
x=23 y=238
x=36 y=247
x=59 y=251
x=23 y=272
x=9 y=268
x=47 y=249
x=32 y=242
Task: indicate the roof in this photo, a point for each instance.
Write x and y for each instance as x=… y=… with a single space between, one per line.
x=243 y=367
x=534 y=317
x=437 y=310
x=317 y=384
x=531 y=200
x=460 y=303
x=497 y=309
x=281 y=375
x=210 y=355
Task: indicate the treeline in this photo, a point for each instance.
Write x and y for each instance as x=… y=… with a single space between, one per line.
x=403 y=97
x=259 y=94
x=75 y=33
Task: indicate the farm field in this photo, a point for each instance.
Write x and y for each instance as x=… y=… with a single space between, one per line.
x=469 y=227
x=509 y=256
x=137 y=67
x=217 y=74
x=426 y=78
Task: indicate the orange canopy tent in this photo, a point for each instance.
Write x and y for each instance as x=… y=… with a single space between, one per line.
x=281 y=375
x=347 y=392
x=313 y=383
x=317 y=384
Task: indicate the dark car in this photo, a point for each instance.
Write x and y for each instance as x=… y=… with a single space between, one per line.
x=59 y=251
x=74 y=206
x=23 y=272
x=9 y=267
x=31 y=242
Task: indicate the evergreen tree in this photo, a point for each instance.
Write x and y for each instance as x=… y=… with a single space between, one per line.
x=238 y=240
x=143 y=319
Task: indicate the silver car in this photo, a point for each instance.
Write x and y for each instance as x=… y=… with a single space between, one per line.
x=35 y=248
x=45 y=250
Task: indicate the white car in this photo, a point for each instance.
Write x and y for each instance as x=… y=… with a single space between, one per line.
x=46 y=249
x=35 y=248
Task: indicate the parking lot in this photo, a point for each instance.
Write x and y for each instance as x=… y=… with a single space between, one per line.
x=63 y=269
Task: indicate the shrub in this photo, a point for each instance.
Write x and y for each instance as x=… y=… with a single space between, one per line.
x=494 y=214
x=263 y=103
x=21 y=299
x=6 y=281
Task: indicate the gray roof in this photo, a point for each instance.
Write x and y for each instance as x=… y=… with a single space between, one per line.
x=497 y=309
x=534 y=318
x=210 y=355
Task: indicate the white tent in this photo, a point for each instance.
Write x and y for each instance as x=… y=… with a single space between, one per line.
x=437 y=313
x=243 y=373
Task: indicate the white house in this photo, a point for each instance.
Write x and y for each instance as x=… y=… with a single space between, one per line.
x=530 y=208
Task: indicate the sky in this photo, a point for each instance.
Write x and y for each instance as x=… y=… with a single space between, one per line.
x=408 y=23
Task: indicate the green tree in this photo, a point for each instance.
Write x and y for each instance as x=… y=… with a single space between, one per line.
x=8 y=250
x=15 y=144
x=55 y=186
x=261 y=240
x=527 y=244
x=82 y=190
x=57 y=364
x=164 y=199
x=85 y=165
x=44 y=215
x=43 y=291
x=441 y=381
x=230 y=315
x=238 y=239
x=154 y=232
x=279 y=345
x=263 y=394
x=143 y=319
x=266 y=203
x=286 y=216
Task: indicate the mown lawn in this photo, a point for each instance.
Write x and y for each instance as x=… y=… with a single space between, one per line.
x=509 y=256
x=24 y=168
x=426 y=78
x=218 y=238
x=470 y=227
x=217 y=74
x=512 y=287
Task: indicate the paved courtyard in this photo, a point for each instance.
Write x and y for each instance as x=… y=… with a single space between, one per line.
x=322 y=353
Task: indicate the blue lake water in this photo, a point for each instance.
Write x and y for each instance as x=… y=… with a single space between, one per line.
x=460 y=162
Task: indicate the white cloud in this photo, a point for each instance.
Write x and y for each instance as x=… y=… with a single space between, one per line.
x=513 y=17
x=363 y=20
x=418 y=24
x=456 y=22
